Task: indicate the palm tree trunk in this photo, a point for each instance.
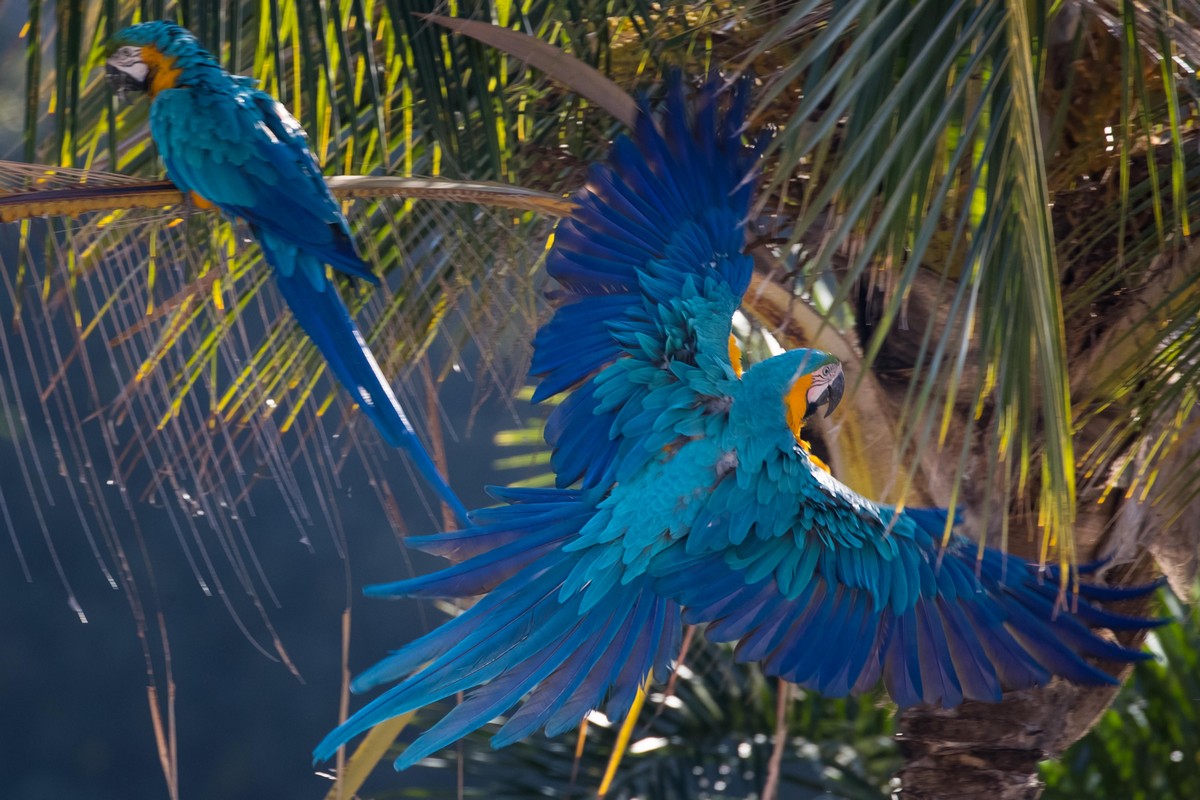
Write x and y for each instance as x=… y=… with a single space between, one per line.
x=992 y=750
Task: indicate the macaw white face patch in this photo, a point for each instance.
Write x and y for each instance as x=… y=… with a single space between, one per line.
x=127 y=71
x=128 y=61
x=821 y=379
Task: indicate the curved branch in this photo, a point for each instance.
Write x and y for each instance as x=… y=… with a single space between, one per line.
x=83 y=198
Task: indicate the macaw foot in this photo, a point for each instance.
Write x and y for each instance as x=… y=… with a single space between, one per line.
x=193 y=200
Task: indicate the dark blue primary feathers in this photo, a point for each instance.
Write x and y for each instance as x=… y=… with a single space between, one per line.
x=979 y=623
x=235 y=147
x=660 y=224
x=520 y=640
x=696 y=500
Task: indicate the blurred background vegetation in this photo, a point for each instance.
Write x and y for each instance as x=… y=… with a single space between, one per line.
x=984 y=207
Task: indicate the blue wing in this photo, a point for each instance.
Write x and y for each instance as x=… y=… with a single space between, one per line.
x=826 y=587
x=651 y=269
x=834 y=592
x=520 y=643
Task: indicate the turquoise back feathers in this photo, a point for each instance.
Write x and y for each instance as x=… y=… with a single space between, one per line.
x=651 y=267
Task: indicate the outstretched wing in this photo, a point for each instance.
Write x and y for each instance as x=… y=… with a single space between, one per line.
x=651 y=269
x=833 y=592
x=241 y=150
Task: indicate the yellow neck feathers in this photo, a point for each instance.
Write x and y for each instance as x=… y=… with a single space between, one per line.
x=162 y=70
x=796 y=403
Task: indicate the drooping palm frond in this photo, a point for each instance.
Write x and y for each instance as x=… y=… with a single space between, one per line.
x=193 y=368
x=381 y=90
x=898 y=135
x=1136 y=384
x=195 y=380
x=948 y=159
x=1126 y=193
x=910 y=147
x=164 y=371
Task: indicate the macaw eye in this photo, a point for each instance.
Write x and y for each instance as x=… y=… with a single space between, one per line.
x=126 y=55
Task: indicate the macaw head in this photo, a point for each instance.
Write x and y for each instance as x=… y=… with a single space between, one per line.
x=817 y=381
x=151 y=57
x=791 y=388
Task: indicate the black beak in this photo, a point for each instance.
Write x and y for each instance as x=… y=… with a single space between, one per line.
x=122 y=82
x=830 y=397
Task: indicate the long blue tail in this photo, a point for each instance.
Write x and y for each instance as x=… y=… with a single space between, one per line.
x=521 y=638
x=319 y=309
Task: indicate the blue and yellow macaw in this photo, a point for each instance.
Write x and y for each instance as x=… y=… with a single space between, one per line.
x=695 y=502
x=229 y=145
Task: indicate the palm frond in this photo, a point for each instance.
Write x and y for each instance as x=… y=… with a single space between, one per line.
x=450 y=106
x=906 y=135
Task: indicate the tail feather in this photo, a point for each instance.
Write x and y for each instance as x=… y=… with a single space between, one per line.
x=475 y=576
x=1014 y=666
x=860 y=649
x=977 y=675
x=319 y=310
x=558 y=688
x=483 y=704
x=937 y=668
x=648 y=651
x=521 y=643
x=649 y=613
x=858 y=631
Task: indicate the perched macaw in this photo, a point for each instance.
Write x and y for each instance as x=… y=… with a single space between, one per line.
x=229 y=145
x=695 y=501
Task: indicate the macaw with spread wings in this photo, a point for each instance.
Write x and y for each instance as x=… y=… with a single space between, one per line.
x=687 y=496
